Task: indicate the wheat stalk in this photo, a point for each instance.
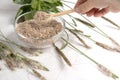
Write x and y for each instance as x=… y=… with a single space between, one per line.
x=80 y=39
x=85 y=22
x=38 y=75
x=114 y=76
x=75 y=30
x=34 y=64
x=110 y=21
x=16 y=59
x=107 y=47
x=106 y=71
x=63 y=56
x=114 y=42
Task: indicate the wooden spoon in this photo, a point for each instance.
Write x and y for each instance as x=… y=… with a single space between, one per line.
x=59 y=14
x=62 y=13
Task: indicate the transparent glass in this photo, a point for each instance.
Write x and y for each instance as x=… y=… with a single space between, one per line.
x=38 y=43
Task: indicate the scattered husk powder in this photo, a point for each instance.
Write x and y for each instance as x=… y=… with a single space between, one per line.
x=36 y=28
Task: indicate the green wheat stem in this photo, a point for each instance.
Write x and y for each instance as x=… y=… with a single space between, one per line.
x=104 y=34
x=69 y=24
x=107 y=72
x=80 y=52
x=94 y=29
x=65 y=45
x=95 y=26
x=80 y=39
x=110 y=21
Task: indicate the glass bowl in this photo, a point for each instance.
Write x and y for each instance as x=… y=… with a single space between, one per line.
x=33 y=42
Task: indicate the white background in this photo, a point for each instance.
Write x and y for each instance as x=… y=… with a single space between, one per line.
x=82 y=68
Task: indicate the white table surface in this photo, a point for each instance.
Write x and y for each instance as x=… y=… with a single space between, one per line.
x=82 y=68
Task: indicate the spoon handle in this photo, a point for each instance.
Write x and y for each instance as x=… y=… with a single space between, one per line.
x=63 y=13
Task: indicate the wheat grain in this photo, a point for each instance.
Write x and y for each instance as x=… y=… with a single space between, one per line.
x=63 y=56
x=80 y=39
x=108 y=47
x=38 y=75
x=106 y=71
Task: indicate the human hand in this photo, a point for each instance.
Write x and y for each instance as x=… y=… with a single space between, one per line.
x=97 y=8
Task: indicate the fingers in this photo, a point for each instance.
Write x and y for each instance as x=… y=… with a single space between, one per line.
x=97 y=12
x=92 y=11
x=101 y=12
x=84 y=7
x=92 y=7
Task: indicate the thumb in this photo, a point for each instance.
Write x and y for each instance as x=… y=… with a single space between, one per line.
x=84 y=7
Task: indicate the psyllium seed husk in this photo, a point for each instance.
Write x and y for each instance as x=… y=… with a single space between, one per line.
x=39 y=30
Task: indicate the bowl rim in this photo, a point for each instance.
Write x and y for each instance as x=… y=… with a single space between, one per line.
x=22 y=36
